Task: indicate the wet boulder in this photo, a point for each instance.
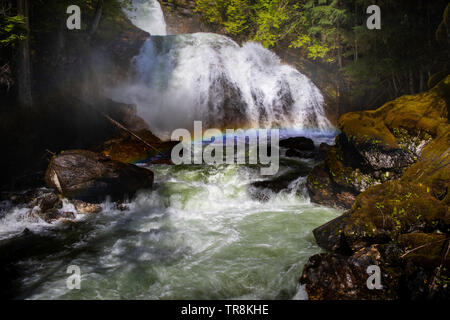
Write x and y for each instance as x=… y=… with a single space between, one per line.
x=86 y=207
x=393 y=161
x=324 y=190
x=301 y=154
x=91 y=177
x=298 y=143
x=129 y=149
x=50 y=201
x=48 y=207
x=287 y=181
x=377 y=146
x=330 y=235
x=331 y=276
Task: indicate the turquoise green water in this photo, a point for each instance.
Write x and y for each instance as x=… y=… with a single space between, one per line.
x=197 y=235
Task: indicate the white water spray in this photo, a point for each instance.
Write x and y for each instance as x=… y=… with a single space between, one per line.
x=148 y=16
x=203 y=76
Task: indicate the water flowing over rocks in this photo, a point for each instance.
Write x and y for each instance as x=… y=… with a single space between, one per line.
x=401 y=212
x=203 y=76
x=88 y=176
x=48 y=208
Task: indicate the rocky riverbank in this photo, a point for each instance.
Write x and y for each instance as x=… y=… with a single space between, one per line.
x=390 y=169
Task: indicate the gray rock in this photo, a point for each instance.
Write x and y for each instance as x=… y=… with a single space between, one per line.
x=91 y=177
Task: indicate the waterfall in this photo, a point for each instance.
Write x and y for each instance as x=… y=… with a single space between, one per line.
x=148 y=16
x=177 y=79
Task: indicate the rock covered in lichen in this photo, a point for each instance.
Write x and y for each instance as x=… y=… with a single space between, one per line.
x=379 y=145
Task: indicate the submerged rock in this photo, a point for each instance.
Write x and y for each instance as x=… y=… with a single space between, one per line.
x=48 y=207
x=89 y=176
x=50 y=201
x=264 y=189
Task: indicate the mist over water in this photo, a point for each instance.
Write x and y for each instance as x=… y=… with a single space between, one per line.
x=199 y=233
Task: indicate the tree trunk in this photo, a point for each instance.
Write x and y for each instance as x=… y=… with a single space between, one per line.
x=395 y=85
x=338 y=98
x=422 y=82
x=97 y=16
x=24 y=60
x=339 y=45
x=411 y=81
x=356 y=39
x=61 y=42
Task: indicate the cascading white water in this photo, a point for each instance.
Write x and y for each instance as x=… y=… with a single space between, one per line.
x=197 y=235
x=203 y=76
x=148 y=16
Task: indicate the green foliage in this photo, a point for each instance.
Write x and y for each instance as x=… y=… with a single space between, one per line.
x=213 y=11
x=12 y=30
x=271 y=19
x=238 y=13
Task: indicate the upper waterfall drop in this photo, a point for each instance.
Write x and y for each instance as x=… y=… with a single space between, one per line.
x=178 y=79
x=148 y=16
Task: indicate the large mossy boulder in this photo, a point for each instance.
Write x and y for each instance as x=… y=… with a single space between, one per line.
x=404 y=212
x=89 y=176
x=380 y=145
x=384 y=212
